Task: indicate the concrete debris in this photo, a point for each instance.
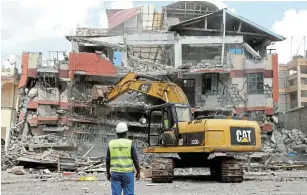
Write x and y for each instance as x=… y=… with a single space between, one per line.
x=144 y=158
x=17 y=170
x=46 y=171
x=130 y=104
x=145 y=66
x=286 y=141
x=91 y=31
x=90 y=165
x=295 y=141
x=17 y=150
x=33 y=93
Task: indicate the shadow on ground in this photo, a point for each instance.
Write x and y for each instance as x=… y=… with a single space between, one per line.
x=206 y=178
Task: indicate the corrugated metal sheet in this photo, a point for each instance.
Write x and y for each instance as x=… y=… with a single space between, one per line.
x=121 y=16
x=252 y=24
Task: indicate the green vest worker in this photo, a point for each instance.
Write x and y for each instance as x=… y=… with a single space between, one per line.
x=121 y=156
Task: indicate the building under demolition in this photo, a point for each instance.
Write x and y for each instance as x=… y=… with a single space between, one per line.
x=218 y=58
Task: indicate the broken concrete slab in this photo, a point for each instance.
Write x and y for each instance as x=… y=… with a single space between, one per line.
x=18 y=170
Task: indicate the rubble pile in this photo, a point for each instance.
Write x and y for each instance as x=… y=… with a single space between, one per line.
x=144 y=159
x=22 y=148
x=145 y=66
x=142 y=105
x=286 y=141
x=47 y=139
x=90 y=164
x=295 y=141
x=204 y=63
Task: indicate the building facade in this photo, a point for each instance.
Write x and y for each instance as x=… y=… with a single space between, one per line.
x=293 y=81
x=9 y=100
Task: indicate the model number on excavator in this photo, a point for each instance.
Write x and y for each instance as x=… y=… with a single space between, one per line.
x=194 y=142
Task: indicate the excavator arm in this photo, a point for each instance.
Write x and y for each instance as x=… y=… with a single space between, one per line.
x=165 y=90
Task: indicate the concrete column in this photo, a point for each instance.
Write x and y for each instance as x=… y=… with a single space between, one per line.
x=74 y=46
x=177 y=54
x=124 y=58
x=298 y=86
x=7 y=139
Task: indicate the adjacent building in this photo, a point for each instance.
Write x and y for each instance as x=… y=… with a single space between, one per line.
x=293 y=84
x=9 y=100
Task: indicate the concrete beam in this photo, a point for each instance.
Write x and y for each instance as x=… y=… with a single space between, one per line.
x=135 y=39
x=178 y=54
x=151 y=39
x=203 y=40
x=110 y=40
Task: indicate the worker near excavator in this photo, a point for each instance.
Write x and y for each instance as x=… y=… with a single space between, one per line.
x=121 y=156
x=166 y=122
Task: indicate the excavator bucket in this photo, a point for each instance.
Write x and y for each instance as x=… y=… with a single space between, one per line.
x=99 y=93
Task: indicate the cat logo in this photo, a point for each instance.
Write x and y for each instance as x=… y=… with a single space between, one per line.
x=144 y=88
x=243 y=136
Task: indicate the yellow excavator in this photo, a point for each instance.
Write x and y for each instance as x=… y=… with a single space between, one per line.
x=208 y=141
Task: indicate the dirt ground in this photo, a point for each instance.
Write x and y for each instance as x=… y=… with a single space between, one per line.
x=279 y=183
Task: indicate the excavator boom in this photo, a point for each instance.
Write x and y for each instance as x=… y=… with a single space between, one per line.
x=164 y=90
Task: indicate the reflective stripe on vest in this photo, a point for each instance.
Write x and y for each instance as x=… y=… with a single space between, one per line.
x=120 y=153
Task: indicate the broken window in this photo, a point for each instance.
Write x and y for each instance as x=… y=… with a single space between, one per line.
x=303 y=70
x=303 y=93
x=293 y=99
x=304 y=81
x=304 y=104
x=255 y=83
x=210 y=84
x=292 y=82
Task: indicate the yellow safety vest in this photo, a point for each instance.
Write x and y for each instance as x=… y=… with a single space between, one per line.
x=120 y=153
x=166 y=125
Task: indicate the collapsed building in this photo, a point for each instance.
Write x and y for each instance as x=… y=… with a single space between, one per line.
x=218 y=58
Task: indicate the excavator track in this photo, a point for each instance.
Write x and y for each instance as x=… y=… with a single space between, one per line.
x=162 y=170
x=227 y=170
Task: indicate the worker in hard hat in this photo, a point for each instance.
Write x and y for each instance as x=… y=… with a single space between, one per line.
x=121 y=156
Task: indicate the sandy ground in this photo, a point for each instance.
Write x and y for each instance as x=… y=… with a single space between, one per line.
x=279 y=183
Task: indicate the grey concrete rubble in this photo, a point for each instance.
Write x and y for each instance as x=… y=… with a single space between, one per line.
x=295 y=141
x=131 y=104
x=286 y=141
x=145 y=66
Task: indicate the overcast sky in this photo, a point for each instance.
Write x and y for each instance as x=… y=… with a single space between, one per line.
x=40 y=25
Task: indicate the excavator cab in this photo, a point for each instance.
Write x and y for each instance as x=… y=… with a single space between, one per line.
x=164 y=121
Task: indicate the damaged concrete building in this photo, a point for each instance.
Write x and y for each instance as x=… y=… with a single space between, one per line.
x=56 y=101
x=218 y=58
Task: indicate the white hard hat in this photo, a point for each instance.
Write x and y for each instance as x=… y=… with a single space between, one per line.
x=121 y=128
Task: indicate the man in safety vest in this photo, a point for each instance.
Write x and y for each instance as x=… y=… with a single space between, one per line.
x=121 y=156
x=166 y=122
